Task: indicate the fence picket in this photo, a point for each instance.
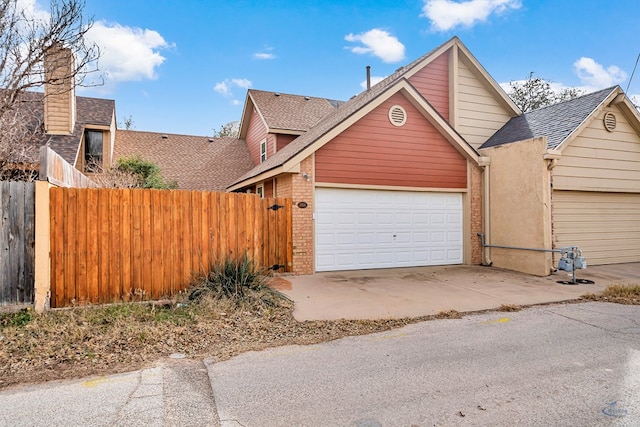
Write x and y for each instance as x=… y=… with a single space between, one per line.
x=105 y=257
x=125 y=240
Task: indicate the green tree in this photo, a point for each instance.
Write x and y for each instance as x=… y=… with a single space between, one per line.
x=536 y=92
x=145 y=174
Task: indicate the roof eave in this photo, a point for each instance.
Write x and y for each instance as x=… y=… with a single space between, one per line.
x=402 y=85
x=578 y=129
x=262 y=176
x=493 y=86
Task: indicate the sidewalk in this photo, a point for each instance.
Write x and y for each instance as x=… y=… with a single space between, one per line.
x=172 y=393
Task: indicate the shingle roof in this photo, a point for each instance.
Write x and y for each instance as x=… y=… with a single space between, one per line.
x=330 y=121
x=292 y=112
x=89 y=111
x=556 y=122
x=195 y=162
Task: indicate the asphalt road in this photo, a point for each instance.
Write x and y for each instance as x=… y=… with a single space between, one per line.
x=560 y=365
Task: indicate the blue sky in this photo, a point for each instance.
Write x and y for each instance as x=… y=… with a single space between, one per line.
x=184 y=66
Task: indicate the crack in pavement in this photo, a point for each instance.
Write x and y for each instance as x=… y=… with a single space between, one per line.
x=603 y=328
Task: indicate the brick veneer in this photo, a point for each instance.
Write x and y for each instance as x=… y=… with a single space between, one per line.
x=300 y=189
x=476 y=215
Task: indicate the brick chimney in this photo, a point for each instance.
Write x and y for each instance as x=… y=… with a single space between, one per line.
x=59 y=91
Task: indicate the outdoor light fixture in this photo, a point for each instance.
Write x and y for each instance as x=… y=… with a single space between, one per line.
x=305 y=176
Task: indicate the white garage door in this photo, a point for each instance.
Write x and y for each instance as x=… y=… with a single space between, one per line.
x=605 y=226
x=361 y=229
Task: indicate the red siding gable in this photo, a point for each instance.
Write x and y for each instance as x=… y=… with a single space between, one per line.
x=375 y=152
x=282 y=140
x=433 y=83
x=256 y=133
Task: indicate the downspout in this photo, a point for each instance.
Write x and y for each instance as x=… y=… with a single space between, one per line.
x=486 y=251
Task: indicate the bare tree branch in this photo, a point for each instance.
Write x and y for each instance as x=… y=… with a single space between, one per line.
x=27 y=37
x=536 y=92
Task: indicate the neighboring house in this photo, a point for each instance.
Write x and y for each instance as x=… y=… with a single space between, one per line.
x=567 y=175
x=80 y=129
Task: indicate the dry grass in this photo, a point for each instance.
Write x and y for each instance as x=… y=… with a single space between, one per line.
x=620 y=294
x=509 y=308
x=78 y=342
x=449 y=314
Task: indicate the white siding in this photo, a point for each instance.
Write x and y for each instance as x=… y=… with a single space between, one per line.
x=480 y=115
x=599 y=160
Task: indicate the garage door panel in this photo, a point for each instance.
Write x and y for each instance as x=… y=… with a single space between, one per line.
x=380 y=229
x=605 y=226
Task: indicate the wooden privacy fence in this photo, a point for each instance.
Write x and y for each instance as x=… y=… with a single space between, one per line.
x=118 y=244
x=17 y=242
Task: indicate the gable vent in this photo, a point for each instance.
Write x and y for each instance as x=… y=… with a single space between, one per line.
x=609 y=121
x=397 y=115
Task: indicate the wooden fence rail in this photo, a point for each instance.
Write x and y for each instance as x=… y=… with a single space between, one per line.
x=117 y=244
x=17 y=242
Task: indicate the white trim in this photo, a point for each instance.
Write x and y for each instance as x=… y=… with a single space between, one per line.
x=263 y=150
x=260 y=190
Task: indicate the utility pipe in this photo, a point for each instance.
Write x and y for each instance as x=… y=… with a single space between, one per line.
x=487 y=218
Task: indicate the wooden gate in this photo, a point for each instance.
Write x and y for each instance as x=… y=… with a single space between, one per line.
x=17 y=242
x=119 y=244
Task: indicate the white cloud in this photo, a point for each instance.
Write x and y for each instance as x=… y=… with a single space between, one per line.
x=222 y=88
x=374 y=80
x=378 y=43
x=596 y=76
x=127 y=54
x=31 y=10
x=225 y=88
x=263 y=55
x=448 y=14
x=243 y=83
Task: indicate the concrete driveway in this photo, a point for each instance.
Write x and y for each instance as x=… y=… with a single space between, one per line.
x=420 y=291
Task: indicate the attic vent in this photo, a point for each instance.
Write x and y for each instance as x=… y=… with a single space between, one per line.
x=609 y=121
x=397 y=115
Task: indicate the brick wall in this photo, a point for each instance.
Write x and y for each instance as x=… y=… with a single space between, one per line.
x=303 y=238
x=300 y=190
x=476 y=215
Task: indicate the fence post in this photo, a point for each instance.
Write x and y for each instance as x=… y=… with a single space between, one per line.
x=43 y=237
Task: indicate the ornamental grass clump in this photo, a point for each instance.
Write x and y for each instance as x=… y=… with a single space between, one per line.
x=239 y=280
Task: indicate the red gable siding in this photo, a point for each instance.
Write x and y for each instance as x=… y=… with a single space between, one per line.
x=283 y=140
x=433 y=83
x=256 y=133
x=375 y=152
